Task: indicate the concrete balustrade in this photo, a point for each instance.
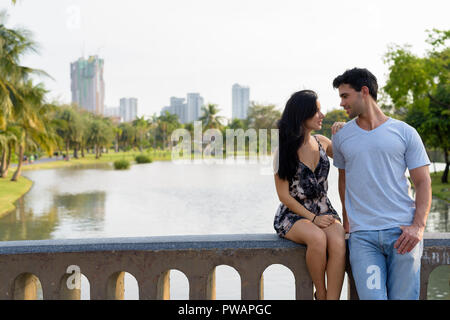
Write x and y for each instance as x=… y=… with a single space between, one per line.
x=27 y=265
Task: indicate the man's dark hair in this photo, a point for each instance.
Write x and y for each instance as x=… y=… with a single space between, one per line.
x=357 y=78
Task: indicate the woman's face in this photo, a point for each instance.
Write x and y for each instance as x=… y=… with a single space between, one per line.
x=315 y=122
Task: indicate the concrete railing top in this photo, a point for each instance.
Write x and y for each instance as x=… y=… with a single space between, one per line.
x=158 y=243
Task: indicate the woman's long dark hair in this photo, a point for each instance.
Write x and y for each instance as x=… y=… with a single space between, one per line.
x=301 y=106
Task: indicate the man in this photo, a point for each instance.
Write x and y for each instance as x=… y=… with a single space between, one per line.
x=386 y=226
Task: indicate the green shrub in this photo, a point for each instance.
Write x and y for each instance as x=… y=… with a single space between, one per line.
x=142 y=159
x=121 y=164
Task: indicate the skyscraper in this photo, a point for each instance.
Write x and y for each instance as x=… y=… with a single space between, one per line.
x=178 y=107
x=187 y=112
x=128 y=109
x=240 y=101
x=194 y=106
x=87 y=84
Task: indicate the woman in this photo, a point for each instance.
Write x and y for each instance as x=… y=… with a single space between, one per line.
x=305 y=214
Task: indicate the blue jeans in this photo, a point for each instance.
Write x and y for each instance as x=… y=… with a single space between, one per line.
x=380 y=272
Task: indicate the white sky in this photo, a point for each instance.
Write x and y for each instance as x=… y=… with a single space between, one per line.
x=155 y=49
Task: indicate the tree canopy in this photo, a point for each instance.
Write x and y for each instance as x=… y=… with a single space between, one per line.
x=419 y=88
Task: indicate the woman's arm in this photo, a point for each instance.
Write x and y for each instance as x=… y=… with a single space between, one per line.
x=282 y=187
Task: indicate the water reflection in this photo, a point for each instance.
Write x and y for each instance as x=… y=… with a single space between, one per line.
x=23 y=225
x=438 y=218
x=26 y=223
x=88 y=208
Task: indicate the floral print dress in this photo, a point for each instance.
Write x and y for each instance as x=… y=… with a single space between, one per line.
x=310 y=189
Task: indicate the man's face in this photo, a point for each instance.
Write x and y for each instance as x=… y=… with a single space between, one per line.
x=351 y=100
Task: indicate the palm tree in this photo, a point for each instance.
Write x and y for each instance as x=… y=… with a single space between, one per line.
x=8 y=139
x=167 y=123
x=142 y=127
x=210 y=119
x=100 y=134
x=14 y=43
x=71 y=128
x=18 y=97
x=30 y=115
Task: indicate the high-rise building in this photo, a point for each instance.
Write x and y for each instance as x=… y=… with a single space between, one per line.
x=87 y=84
x=128 y=109
x=111 y=112
x=240 y=101
x=194 y=106
x=188 y=111
x=178 y=107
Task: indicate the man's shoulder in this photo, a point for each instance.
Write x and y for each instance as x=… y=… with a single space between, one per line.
x=346 y=129
x=402 y=126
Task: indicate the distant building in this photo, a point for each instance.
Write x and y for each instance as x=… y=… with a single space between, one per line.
x=87 y=84
x=240 y=101
x=188 y=111
x=178 y=107
x=128 y=109
x=111 y=112
x=194 y=107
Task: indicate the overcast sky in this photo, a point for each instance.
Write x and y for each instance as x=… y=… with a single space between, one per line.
x=161 y=48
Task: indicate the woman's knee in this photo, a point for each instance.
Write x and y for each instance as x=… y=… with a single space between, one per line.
x=336 y=240
x=317 y=240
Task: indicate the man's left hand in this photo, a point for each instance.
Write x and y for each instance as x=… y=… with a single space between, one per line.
x=410 y=236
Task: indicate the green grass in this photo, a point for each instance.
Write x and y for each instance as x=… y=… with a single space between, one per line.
x=440 y=190
x=142 y=158
x=121 y=164
x=11 y=191
x=105 y=158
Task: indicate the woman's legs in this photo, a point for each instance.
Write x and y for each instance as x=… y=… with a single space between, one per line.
x=305 y=232
x=336 y=260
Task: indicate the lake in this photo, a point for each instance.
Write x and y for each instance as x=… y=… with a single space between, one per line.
x=167 y=198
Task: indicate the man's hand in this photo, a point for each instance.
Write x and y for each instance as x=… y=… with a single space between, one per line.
x=410 y=236
x=337 y=126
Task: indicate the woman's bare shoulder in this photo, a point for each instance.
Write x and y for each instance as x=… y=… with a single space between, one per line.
x=323 y=140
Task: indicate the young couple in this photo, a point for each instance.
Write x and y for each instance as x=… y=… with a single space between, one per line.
x=372 y=153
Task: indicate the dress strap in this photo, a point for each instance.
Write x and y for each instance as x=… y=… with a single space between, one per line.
x=317 y=139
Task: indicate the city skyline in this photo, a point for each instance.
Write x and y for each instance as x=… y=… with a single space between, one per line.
x=276 y=48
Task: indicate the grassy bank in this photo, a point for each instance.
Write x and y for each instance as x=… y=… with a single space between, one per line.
x=11 y=191
x=105 y=158
x=440 y=190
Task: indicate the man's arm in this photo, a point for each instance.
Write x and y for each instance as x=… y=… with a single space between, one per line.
x=414 y=233
x=341 y=187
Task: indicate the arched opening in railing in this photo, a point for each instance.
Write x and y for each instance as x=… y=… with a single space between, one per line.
x=228 y=283
x=439 y=283
x=85 y=288
x=122 y=286
x=131 y=287
x=173 y=285
x=279 y=283
x=27 y=287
